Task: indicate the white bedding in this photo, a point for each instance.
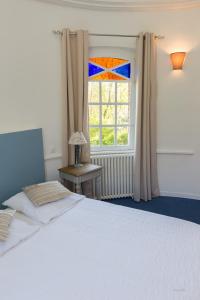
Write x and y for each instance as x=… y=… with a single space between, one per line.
x=100 y=251
x=21 y=228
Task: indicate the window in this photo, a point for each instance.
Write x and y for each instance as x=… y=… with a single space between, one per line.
x=109 y=94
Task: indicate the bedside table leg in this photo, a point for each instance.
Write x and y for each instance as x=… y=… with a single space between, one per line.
x=94 y=188
x=74 y=187
x=78 y=188
x=98 y=187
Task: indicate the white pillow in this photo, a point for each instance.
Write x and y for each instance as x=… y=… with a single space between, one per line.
x=19 y=231
x=44 y=213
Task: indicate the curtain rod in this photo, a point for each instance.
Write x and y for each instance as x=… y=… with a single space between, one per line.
x=105 y=34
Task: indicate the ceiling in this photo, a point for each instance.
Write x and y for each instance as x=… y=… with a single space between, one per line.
x=129 y=5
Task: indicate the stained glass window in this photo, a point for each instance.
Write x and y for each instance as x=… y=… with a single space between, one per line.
x=109 y=94
x=108 y=68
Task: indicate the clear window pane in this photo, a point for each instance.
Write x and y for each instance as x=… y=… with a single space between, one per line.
x=122 y=92
x=94 y=136
x=93 y=114
x=122 y=135
x=122 y=114
x=108 y=114
x=108 y=91
x=93 y=91
x=108 y=136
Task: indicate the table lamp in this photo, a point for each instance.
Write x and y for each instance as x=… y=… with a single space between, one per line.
x=77 y=139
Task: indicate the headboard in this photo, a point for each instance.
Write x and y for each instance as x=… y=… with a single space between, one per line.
x=21 y=161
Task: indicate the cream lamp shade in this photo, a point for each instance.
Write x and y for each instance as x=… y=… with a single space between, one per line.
x=77 y=138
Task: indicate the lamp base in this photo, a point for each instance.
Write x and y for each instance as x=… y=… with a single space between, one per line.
x=77 y=156
x=78 y=165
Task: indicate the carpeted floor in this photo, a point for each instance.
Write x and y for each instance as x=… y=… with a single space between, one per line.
x=186 y=209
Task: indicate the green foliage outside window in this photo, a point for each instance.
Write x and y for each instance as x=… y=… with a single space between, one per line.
x=108 y=113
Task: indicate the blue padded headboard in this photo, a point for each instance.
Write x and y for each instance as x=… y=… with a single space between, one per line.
x=21 y=161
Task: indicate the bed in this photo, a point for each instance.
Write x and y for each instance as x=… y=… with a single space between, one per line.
x=101 y=251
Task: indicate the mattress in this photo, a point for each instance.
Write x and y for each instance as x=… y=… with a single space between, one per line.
x=101 y=251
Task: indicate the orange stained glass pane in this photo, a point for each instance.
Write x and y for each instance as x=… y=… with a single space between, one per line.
x=108 y=62
x=107 y=76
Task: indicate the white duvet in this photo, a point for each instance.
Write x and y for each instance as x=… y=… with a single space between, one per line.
x=100 y=251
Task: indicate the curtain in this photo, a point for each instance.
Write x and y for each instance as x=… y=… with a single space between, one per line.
x=75 y=97
x=145 y=160
x=75 y=92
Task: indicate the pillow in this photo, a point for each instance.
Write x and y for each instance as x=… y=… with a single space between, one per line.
x=46 y=192
x=19 y=231
x=44 y=213
x=5 y=221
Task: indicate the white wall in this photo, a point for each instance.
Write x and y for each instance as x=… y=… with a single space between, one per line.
x=30 y=80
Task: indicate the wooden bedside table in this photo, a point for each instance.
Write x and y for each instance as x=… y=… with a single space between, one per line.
x=81 y=174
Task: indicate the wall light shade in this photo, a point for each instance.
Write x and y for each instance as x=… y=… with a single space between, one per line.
x=177 y=59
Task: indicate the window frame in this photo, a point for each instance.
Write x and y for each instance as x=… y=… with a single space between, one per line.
x=130 y=125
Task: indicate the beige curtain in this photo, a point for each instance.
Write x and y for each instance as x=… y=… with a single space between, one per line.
x=75 y=91
x=145 y=161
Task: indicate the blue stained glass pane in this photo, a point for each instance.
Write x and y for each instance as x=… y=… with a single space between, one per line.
x=92 y=69
x=124 y=70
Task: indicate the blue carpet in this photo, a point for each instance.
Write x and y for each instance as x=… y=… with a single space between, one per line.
x=181 y=208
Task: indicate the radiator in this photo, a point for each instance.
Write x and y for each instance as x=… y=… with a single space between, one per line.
x=117 y=174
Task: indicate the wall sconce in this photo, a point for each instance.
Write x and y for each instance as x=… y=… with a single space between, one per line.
x=177 y=59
